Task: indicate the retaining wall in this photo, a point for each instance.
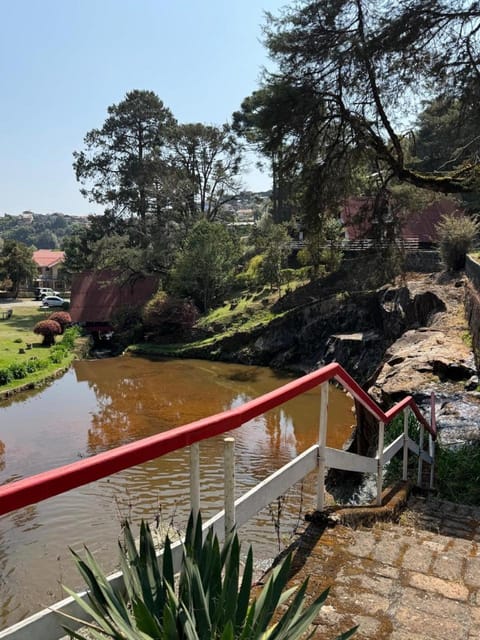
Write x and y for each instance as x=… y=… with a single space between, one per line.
x=472 y=305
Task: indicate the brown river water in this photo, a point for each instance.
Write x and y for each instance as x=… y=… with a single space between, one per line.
x=101 y=404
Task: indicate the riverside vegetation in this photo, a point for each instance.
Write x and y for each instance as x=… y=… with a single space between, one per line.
x=23 y=359
x=212 y=598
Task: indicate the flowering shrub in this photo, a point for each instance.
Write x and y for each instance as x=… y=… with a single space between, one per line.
x=48 y=329
x=62 y=317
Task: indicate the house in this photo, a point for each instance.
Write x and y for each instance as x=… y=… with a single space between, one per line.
x=97 y=296
x=49 y=264
x=418 y=229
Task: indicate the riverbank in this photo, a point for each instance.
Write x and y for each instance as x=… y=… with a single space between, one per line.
x=25 y=363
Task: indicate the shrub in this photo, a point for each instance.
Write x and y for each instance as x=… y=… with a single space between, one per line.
x=63 y=318
x=168 y=315
x=6 y=375
x=254 y=269
x=457 y=235
x=19 y=370
x=48 y=329
x=127 y=325
x=69 y=337
x=207 y=603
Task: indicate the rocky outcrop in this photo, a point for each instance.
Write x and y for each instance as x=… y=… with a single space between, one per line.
x=435 y=351
x=354 y=330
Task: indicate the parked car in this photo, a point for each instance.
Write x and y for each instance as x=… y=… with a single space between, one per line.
x=41 y=292
x=52 y=301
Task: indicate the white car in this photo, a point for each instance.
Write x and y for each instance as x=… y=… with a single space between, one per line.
x=52 y=301
x=41 y=292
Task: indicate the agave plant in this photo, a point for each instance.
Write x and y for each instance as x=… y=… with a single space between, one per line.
x=210 y=601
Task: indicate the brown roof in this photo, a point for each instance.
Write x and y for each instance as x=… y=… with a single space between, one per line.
x=97 y=295
x=420 y=225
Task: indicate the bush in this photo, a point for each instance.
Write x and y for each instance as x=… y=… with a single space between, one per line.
x=127 y=326
x=254 y=269
x=457 y=235
x=19 y=370
x=207 y=601
x=48 y=329
x=168 y=315
x=62 y=317
x=6 y=375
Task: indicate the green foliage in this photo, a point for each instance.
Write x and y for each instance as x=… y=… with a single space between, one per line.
x=42 y=231
x=167 y=315
x=211 y=602
x=204 y=269
x=254 y=269
x=457 y=234
x=458 y=473
x=121 y=161
x=127 y=325
x=16 y=264
x=274 y=243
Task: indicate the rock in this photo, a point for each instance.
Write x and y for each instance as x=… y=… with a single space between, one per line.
x=472 y=383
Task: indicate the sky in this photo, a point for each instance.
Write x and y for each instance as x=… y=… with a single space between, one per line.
x=63 y=62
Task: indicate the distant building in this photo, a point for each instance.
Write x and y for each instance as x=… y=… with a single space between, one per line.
x=418 y=228
x=97 y=295
x=49 y=264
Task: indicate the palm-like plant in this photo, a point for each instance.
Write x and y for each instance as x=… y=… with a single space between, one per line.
x=211 y=602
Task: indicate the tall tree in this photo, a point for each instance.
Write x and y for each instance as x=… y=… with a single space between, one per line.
x=269 y=120
x=206 y=161
x=17 y=264
x=204 y=268
x=365 y=66
x=122 y=161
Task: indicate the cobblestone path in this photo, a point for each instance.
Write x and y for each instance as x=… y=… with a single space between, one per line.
x=415 y=580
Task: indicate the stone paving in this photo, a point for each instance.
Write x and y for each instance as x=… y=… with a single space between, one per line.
x=418 y=579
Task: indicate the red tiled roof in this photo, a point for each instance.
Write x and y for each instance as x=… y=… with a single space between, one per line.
x=47 y=257
x=97 y=295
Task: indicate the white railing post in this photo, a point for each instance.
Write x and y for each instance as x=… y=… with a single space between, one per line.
x=195 y=478
x=420 y=451
x=229 y=483
x=322 y=443
x=431 y=443
x=405 y=444
x=381 y=438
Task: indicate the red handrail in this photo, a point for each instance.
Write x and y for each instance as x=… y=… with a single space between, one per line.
x=50 y=483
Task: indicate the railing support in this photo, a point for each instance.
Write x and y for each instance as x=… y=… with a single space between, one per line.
x=381 y=438
x=421 y=440
x=431 y=443
x=229 y=483
x=195 y=478
x=322 y=443
x=405 y=444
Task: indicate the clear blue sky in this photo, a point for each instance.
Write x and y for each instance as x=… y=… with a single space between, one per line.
x=63 y=62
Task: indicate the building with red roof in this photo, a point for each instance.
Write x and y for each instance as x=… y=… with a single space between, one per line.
x=49 y=264
x=97 y=295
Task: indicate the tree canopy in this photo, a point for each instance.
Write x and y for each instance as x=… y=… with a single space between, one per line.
x=16 y=264
x=355 y=72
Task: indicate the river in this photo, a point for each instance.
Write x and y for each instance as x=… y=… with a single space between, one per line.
x=102 y=404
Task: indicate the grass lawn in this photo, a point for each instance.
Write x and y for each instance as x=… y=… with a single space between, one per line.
x=19 y=344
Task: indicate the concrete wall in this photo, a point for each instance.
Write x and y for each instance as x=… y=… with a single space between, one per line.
x=472 y=269
x=423 y=261
x=472 y=305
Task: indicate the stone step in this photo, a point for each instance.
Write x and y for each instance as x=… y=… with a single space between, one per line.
x=418 y=579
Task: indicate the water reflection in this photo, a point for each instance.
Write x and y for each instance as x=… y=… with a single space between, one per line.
x=102 y=404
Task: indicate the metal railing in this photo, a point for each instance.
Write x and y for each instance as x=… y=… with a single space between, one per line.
x=237 y=511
